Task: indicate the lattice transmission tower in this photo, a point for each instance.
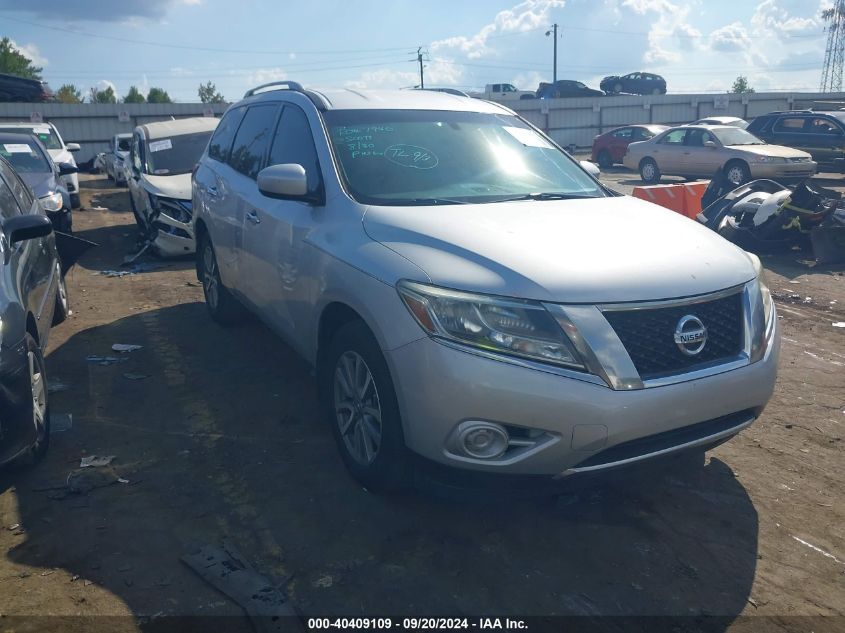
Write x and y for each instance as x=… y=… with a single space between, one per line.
x=834 y=55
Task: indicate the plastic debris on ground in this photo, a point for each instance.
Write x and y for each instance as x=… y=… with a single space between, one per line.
x=130 y=376
x=103 y=360
x=115 y=273
x=125 y=348
x=838 y=324
x=95 y=461
x=60 y=422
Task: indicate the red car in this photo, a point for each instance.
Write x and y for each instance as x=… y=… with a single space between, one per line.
x=610 y=147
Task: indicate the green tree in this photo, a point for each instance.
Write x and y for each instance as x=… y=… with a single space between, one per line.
x=208 y=94
x=13 y=62
x=69 y=93
x=741 y=86
x=158 y=95
x=134 y=96
x=102 y=96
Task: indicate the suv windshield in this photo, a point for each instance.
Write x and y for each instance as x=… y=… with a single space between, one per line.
x=25 y=158
x=406 y=157
x=45 y=134
x=176 y=154
x=736 y=136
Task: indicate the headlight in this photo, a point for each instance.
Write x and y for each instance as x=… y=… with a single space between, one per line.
x=496 y=324
x=765 y=293
x=51 y=202
x=770 y=159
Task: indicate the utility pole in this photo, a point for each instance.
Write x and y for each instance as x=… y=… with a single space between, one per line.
x=420 y=60
x=553 y=33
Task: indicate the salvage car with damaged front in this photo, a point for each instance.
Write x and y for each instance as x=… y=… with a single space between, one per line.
x=469 y=295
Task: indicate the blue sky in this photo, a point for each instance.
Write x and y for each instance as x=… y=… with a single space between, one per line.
x=698 y=45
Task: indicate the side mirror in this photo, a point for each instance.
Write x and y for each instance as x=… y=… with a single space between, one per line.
x=710 y=144
x=27 y=227
x=66 y=169
x=591 y=168
x=72 y=147
x=283 y=181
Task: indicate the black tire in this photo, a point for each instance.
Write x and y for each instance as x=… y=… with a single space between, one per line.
x=75 y=201
x=649 y=171
x=42 y=432
x=617 y=88
x=223 y=307
x=737 y=172
x=62 y=309
x=604 y=159
x=388 y=469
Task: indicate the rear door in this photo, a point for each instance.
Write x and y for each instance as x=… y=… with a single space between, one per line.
x=668 y=153
x=214 y=197
x=247 y=158
x=619 y=141
x=789 y=130
x=825 y=138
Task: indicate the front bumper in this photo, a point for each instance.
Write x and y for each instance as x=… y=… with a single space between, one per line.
x=783 y=171
x=439 y=386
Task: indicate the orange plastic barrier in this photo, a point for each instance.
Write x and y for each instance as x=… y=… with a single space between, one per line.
x=683 y=198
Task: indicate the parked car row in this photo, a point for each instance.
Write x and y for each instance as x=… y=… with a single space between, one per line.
x=406 y=243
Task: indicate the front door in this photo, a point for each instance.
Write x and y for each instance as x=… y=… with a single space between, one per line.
x=669 y=153
x=275 y=238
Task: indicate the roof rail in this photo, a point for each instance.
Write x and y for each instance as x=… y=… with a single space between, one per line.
x=287 y=85
x=807 y=111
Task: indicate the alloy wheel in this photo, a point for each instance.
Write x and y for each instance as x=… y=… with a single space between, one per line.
x=209 y=279
x=648 y=171
x=357 y=408
x=39 y=397
x=736 y=175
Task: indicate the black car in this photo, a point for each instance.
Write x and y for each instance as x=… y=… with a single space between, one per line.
x=822 y=134
x=33 y=164
x=32 y=297
x=564 y=88
x=13 y=88
x=635 y=84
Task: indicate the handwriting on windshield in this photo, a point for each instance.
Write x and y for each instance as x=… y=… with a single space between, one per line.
x=411 y=156
x=360 y=139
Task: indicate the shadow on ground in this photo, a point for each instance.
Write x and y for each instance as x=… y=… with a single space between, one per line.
x=223 y=440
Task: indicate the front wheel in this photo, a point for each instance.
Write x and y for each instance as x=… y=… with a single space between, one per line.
x=649 y=171
x=737 y=172
x=40 y=409
x=361 y=405
x=605 y=160
x=221 y=304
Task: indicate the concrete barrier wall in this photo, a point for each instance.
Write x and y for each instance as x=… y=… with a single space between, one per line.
x=93 y=124
x=577 y=121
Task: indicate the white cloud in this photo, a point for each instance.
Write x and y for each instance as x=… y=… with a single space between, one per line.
x=732 y=37
x=770 y=17
x=385 y=78
x=525 y=16
x=31 y=51
x=265 y=75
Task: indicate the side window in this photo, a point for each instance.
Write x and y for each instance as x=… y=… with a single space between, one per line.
x=293 y=143
x=134 y=153
x=823 y=126
x=789 y=124
x=17 y=187
x=625 y=133
x=8 y=203
x=642 y=134
x=253 y=139
x=675 y=137
x=697 y=138
x=497 y=87
x=221 y=142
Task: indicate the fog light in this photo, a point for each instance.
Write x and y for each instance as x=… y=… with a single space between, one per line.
x=483 y=440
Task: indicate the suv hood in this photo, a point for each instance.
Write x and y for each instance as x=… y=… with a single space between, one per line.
x=771 y=150
x=599 y=250
x=177 y=186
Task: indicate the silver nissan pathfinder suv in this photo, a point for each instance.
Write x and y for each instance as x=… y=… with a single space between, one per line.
x=468 y=293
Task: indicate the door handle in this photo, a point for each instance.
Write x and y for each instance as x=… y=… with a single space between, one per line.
x=212 y=191
x=252 y=216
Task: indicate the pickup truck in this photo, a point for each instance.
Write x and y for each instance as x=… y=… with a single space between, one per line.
x=502 y=92
x=114 y=158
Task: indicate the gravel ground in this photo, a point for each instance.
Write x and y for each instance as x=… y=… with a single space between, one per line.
x=222 y=440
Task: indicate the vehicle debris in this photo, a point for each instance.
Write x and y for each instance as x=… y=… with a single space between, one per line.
x=95 y=461
x=226 y=570
x=125 y=348
x=115 y=273
x=838 y=324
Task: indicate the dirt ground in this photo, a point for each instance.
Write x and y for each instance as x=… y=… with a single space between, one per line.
x=221 y=439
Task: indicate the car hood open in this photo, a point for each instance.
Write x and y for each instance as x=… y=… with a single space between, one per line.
x=177 y=186
x=598 y=250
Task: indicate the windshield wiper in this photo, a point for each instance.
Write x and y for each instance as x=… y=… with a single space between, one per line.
x=435 y=201
x=547 y=195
